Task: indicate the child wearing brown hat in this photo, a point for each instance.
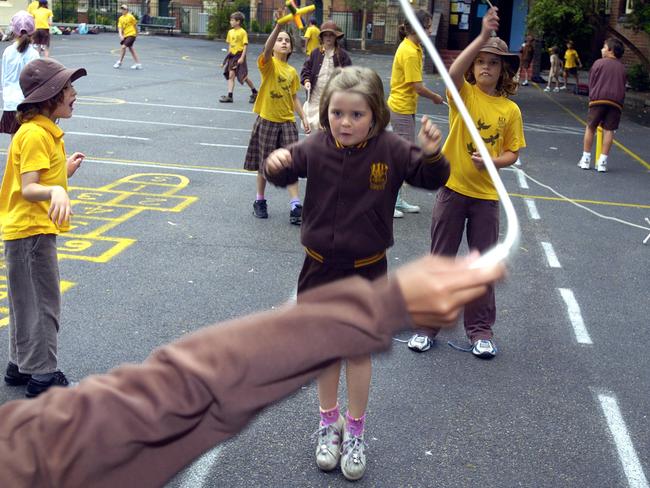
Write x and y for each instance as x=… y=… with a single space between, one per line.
x=484 y=75
x=34 y=208
x=320 y=65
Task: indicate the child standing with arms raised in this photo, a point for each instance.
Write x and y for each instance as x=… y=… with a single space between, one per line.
x=354 y=170
x=275 y=125
x=34 y=208
x=484 y=75
x=235 y=65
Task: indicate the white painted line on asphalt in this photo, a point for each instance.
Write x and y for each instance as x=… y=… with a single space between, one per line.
x=174 y=167
x=107 y=135
x=573 y=309
x=631 y=464
x=188 y=107
x=521 y=178
x=221 y=145
x=551 y=257
x=167 y=124
x=196 y=475
x=532 y=209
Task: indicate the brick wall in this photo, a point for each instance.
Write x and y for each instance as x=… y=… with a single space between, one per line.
x=640 y=39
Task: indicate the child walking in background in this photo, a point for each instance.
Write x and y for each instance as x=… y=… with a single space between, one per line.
x=235 y=65
x=319 y=66
x=405 y=86
x=14 y=59
x=571 y=64
x=354 y=170
x=34 y=208
x=484 y=75
x=554 y=71
x=312 y=39
x=607 y=80
x=275 y=125
x=43 y=21
x=527 y=54
x=128 y=32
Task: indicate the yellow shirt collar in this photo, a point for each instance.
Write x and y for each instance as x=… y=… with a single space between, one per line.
x=48 y=125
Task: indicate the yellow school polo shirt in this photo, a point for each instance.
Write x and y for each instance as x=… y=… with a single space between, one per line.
x=279 y=84
x=407 y=69
x=31 y=8
x=42 y=18
x=500 y=125
x=571 y=58
x=127 y=23
x=37 y=146
x=311 y=34
x=237 y=38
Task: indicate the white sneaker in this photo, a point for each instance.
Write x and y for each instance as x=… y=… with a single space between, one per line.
x=353 y=456
x=397 y=214
x=601 y=167
x=328 y=449
x=117 y=65
x=524 y=83
x=563 y=87
x=405 y=207
x=556 y=90
x=136 y=66
x=419 y=343
x=484 y=349
x=547 y=89
x=584 y=163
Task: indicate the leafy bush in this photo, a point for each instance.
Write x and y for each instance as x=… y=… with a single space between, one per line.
x=219 y=20
x=268 y=28
x=255 y=26
x=638 y=78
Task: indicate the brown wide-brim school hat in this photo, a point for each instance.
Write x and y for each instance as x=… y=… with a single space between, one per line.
x=44 y=78
x=497 y=46
x=330 y=26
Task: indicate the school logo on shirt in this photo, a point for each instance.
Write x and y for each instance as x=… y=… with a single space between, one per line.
x=378 y=176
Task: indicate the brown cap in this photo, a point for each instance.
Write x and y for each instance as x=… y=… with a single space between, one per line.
x=330 y=26
x=497 y=46
x=44 y=78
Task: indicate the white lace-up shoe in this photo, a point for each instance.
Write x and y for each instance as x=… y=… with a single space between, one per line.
x=419 y=343
x=328 y=449
x=484 y=349
x=353 y=456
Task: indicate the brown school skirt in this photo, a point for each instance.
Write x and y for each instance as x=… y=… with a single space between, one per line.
x=266 y=137
x=128 y=41
x=42 y=37
x=9 y=124
x=230 y=64
x=314 y=273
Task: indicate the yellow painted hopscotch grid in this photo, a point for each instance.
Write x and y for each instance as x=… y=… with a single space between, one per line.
x=99 y=210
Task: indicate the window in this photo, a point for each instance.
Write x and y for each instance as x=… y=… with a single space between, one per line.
x=629 y=6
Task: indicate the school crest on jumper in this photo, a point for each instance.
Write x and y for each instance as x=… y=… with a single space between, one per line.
x=378 y=176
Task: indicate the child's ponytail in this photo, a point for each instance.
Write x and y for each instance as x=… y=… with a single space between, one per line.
x=23 y=42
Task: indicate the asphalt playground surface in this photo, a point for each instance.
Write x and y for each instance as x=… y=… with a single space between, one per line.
x=165 y=243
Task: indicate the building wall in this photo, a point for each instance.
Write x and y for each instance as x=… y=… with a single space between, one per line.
x=640 y=39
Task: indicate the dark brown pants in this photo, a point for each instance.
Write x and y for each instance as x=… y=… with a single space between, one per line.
x=315 y=274
x=454 y=213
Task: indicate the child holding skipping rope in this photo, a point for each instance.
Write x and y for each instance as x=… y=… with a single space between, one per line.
x=354 y=170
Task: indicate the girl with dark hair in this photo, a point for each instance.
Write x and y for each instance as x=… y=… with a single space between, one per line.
x=354 y=169
x=14 y=59
x=43 y=20
x=275 y=125
x=405 y=87
x=320 y=65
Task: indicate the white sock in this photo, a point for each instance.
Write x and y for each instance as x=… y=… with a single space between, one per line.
x=586 y=156
x=602 y=159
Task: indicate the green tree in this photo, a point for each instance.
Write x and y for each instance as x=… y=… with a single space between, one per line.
x=364 y=6
x=639 y=19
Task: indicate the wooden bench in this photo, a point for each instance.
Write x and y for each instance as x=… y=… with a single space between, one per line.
x=159 y=23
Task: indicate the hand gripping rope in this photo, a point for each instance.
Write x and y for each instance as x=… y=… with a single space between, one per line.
x=502 y=250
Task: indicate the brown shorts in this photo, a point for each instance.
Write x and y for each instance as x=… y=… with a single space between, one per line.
x=128 y=41
x=314 y=274
x=608 y=116
x=9 y=124
x=42 y=37
x=571 y=71
x=266 y=137
x=231 y=63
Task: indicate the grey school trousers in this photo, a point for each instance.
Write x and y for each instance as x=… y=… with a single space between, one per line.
x=454 y=214
x=34 y=302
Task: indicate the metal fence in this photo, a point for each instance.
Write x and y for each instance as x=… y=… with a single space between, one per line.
x=381 y=23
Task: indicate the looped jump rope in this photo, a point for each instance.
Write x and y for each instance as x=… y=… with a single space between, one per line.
x=501 y=251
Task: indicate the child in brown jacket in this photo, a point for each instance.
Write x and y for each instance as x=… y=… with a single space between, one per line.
x=354 y=169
